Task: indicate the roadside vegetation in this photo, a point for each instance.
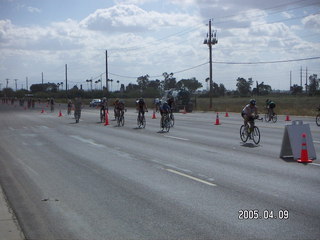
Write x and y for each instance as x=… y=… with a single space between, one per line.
x=294 y=102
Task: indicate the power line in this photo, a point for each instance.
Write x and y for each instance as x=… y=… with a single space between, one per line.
x=267 y=62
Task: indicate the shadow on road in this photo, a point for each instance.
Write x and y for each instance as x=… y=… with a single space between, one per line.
x=249 y=145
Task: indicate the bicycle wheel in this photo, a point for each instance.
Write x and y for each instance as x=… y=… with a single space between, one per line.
x=266 y=117
x=118 y=121
x=167 y=124
x=143 y=122
x=139 y=122
x=318 y=120
x=274 y=118
x=256 y=135
x=122 y=120
x=101 y=117
x=172 y=119
x=243 y=134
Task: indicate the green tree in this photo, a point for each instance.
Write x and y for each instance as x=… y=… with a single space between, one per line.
x=143 y=81
x=169 y=81
x=296 y=89
x=313 y=84
x=191 y=84
x=244 y=86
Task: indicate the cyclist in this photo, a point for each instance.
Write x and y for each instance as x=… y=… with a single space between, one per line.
x=141 y=106
x=171 y=102
x=118 y=107
x=69 y=106
x=77 y=108
x=249 y=112
x=270 y=105
x=103 y=106
x=156 y=102
x=164 y=110
x=51 y=104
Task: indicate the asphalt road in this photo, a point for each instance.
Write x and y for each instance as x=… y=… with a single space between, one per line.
x=90 y=181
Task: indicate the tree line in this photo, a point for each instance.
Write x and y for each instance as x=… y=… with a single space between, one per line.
x=144 y=87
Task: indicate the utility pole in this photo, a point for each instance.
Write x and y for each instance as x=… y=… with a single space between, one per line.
x=306 y=80
x=66 y=80
x=210 y=40
x=107 y=74
x=290 y=80
x=7 y=79
x=42 y=77
x=301 y=76
x=16 y=84
x=27 y=84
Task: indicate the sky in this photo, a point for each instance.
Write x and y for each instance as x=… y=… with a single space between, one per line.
x=262 y=40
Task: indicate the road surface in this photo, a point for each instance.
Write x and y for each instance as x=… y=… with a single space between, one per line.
x=199 y=181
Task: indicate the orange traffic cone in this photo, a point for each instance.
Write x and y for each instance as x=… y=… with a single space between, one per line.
x=288 y=118
x=217 y=120
x=42 y=111
x=107 y=119
x=304 y=158
x=154 y=115
x=60 y=114
x=227 y=115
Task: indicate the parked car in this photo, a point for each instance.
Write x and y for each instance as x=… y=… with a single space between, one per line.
x=95 y=102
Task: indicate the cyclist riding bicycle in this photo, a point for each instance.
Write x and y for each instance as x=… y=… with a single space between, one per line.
x=171 y=103
x=156 y=102
x=118 y=106
x=270 y=105
x=249 y=112
x=141 y=106
x=103 y=106
x=51 y=104
x=164 y=110
x=69 y=106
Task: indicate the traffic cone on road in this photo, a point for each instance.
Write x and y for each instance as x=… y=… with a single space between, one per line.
x=217 y=120
x=304 y=158
x=107 y=119
x=42 y=111
x=154 y=115
x=288 y=118
x=60 y=114
x=227 y=115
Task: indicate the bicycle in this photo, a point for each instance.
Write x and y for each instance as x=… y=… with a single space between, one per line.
x=141 y=120
x=102 y=115
x=318 y=118
x=51 y=107
x=165 y=122
x=77 y=115
x=269 y=117
x=120 y=117
x=250 y=132
x=69 y=110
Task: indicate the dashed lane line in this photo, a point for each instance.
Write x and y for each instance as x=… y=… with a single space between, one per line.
x=183 y=139
x=191 y=177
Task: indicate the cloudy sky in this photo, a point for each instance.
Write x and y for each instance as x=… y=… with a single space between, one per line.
x=264 y=40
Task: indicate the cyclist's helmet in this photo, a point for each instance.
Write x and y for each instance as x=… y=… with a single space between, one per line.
x=253 y=102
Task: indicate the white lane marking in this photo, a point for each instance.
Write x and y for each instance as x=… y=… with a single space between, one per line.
x=90 y=141
x=183 y=139
x=316 y=141
x=11 y=128
x=190 y=177
x=316 y=164
x=27 y=166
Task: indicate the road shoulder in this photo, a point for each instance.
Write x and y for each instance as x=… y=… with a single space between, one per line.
x=9 y=227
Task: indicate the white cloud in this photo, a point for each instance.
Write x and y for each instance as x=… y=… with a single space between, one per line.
x=312 y=22
x=130 y=18
x=33 y=10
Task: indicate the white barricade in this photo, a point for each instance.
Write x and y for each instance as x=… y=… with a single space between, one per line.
x=292 y=140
